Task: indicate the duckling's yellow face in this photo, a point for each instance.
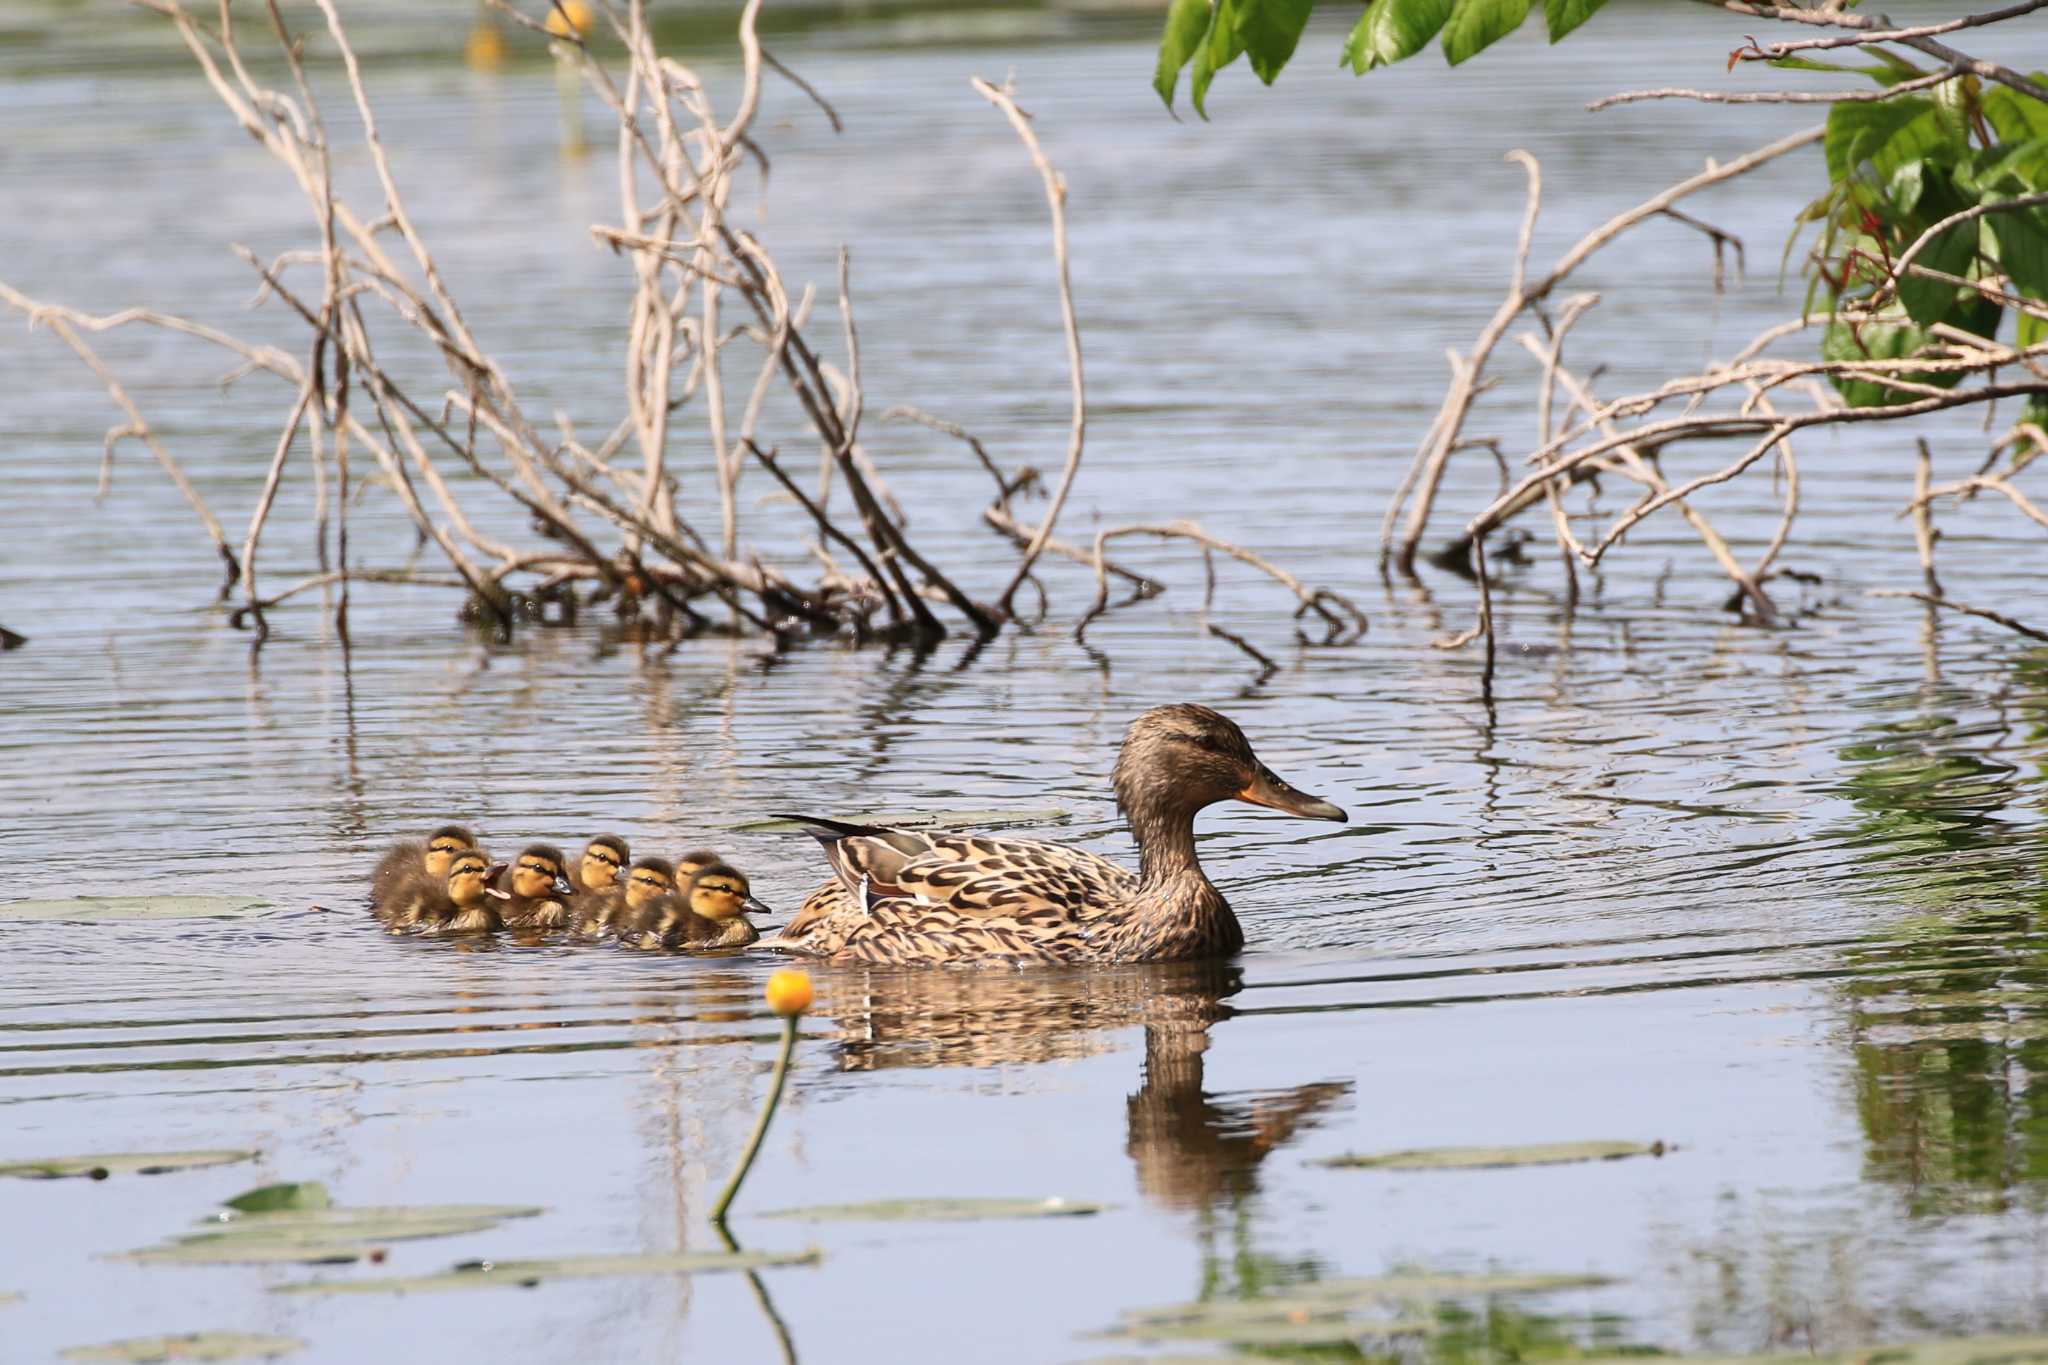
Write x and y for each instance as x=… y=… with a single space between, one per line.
x=440 y=852
x=644 y=884
x=534 y=876
x=466 y=872
x=600 y=867
x=719 y=896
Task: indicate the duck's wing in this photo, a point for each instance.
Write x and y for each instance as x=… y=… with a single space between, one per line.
x=1027 y=879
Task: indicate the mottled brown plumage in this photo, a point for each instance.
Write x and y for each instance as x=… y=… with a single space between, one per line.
x=903 y=897
x=412 y=877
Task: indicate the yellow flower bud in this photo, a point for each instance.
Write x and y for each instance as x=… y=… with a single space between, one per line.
x=789 y=992
x=578 y=19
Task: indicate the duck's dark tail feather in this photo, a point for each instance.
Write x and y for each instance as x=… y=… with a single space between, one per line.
x=829 y=831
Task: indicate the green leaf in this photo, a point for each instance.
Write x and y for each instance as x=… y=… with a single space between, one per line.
x=2032 y=331
x=524 y=1274
x=1220 y=47
x=1476 y=25
x=100 y=1166
x=2022 y=238
x=1887 y=134
x=1475 y=1158
x=1890 y=340
x=1953 y=253
x=106 y=909
x=940 y=1210
x=190 y=1346
x=1186 y=22
x=1562 y=16
x=1392 y=30
x=1884 y=76
x=2016 y=117
x=1269 y=31
x=2019 y=167
x=309 y=1194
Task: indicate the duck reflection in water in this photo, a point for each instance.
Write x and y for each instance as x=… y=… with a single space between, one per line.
x=1193 y=1149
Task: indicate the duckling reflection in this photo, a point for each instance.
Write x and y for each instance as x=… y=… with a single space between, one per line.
x=1193 y=1148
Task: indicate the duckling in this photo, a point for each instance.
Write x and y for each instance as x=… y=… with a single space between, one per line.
x=412 y=871
x=644 y=909
x=468 y=894
x=612 y=910
x=538 y=891
x=690 y=864
x=599 y=867
x=713 y=911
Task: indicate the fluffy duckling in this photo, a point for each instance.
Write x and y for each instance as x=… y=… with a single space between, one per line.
x=469 y=897
x=714 y=911
x=604 y=858
x=643 y=910
x=414 y=872
x=537 y=891
x=690 y=864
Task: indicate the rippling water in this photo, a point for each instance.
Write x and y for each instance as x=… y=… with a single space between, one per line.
x=1770 y=896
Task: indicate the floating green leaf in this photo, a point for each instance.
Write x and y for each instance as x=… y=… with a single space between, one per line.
x=321 y=1235
x=191 y=1346
x=117 y=909
x=525 y=1273
x=309 y=1194
x=1322 y=1298
x=1476 y=25
x=1479 y=1158
x=939 y=1210
x=1277 y=1332
x=101 y=1166
x=1954 y=1351
x=1391 y=30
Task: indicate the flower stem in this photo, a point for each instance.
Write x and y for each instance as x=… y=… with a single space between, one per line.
x=739 y=1172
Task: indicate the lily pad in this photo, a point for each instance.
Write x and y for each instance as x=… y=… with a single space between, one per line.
x=526 y=1273
x=1483 y=1158
x=309 y=1194
x=1277 y=1332
x=100 y=1166
x=120 y=909
x=939 y=1210
x=191 y=1346
x=926 y=820
x=2026 y=1350
x=1341 y=1297
x=321 y=1236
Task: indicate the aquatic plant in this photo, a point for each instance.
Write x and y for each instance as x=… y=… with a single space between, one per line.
x=789 y=994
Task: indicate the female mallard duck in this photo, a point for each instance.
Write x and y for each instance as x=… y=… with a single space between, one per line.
x=413 y=872
x=900 y=897
x=714 y=911
x=598 y=869
x=470 y=908
x=537 y=890
x=639 y=912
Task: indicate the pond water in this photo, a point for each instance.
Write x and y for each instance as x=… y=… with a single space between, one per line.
x=1770 y=897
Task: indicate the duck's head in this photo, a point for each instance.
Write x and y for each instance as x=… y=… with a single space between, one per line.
x=536 y=874
x=720 y=892
x=443 y=844
x=603 y=859
x=1178 y=759
x=650 y=879
x=690 y=864
x=468 y=878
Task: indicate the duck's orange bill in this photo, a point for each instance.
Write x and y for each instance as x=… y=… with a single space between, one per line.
x=1267 y=789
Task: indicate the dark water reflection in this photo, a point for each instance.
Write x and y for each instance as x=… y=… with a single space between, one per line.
x=1770 y=896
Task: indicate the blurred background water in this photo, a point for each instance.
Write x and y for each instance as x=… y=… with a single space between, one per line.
x=1770 y=895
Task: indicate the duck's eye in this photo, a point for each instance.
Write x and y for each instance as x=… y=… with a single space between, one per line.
x=602 y=856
